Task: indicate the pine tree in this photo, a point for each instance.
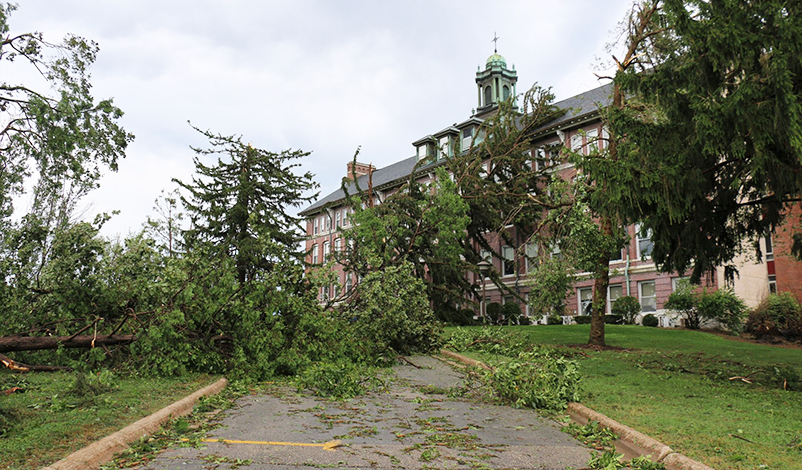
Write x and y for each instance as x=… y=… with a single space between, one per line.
x=238 y=206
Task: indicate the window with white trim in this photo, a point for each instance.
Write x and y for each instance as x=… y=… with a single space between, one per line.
x=508 y=255
x=314 y=253
x=644 y=239
x=593 y=140
x=337 y=245
x=769 y=248
x=576 y=142
x=676 y=281
x=326 y=251
x=315 y=226
x=584 y=300
x=541 y=160
x=648 y=296
x=349 y=283
x=530 y=256
x=338 y=221
x=556 y=252
x=328 y=222
x=467 y=138
x=614 y=292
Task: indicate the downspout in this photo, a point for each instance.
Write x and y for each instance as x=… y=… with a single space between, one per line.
x=626 y=275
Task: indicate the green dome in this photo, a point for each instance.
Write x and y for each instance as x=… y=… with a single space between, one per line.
x=496 y=59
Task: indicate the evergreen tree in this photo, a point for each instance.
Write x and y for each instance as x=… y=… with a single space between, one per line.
x=238 y=206
x=709 y=126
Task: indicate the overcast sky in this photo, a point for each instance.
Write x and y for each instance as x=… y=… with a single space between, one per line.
x=318 y=75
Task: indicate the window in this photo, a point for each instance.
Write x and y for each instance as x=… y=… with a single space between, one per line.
x=593 y=140
x=508 y=254
x=605 y=138
x=467 y=138
x=677 y=281
x=576 y=142
x=773 y=283
x=556 y=253
x=337 y=243
x=328 y=222
x=325 y=293
x=314 y=254
x=445 y=147
x=506 y=91
x=349 y=283
x=648 y=296
x=530 y=257
x=316 y=226
x=645 y=244
x=541 y=161
x=616 y=255
x=337 y=222
x=334 y=290
x=613 y=293
x=326 y=251
x=488 y=95
x=585 y=300
x=346 y=222
x=769 y=248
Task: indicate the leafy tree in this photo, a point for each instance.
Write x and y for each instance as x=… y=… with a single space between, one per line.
x=166 y=227
x=709 y=133
x=721 y=305
x=421 y=224
x=626 y=306
x=64 y=141
x=238 y=206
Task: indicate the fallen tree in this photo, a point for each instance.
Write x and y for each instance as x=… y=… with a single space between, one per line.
x=33 y=343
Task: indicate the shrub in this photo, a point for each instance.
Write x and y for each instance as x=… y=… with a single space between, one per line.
x=723 y=306
x=650 y=320
x=582 y=319
x=554 y=320
x=683 y=301
x=537 y=379
x=613 y=320
x=511 y=312
x=464 y=317
x=628 y=307
x=523 y=320
x=778 y=314
x=493 y=312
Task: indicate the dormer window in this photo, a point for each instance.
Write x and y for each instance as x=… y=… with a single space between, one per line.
x=446 y=149
x=467 y=138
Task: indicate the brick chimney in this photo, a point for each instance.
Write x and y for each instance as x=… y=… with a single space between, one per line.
x=360 y=168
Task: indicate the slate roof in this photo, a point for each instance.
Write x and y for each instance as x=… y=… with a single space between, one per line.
x=578 y=106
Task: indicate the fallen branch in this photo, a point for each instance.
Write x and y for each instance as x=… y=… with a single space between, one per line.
x=20 y=367
x=33 y=343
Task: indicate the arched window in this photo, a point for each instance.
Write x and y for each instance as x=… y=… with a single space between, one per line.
x=506 y=90
x=488 y=95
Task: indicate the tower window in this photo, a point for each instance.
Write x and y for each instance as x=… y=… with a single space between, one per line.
x=506 y=92
x=488 y=95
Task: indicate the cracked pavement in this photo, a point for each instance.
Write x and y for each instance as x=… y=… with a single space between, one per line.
x=413 y=424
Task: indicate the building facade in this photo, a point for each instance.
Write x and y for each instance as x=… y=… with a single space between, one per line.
x=633 y=273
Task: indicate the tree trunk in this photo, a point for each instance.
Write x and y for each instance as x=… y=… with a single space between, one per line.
x=20 y=367
x=600 y=288
x=32 y=343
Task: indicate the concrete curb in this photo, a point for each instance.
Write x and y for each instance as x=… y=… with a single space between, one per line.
x=95 y=454
x=636 y=440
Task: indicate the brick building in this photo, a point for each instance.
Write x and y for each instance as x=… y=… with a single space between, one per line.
x=633 y=272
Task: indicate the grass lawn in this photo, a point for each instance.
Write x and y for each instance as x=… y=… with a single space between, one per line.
x=674 y=385
x=54 y=415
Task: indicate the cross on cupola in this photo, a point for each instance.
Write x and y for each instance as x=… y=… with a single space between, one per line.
x=496 y=83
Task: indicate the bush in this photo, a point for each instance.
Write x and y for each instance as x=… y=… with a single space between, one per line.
x=613 y=320
x=683 y=301
x=537 y=379
x=650 y=320
x=511 y=312
x=778 y=314
x=724 y=307
x=523 y=320
x=627 y=307
x=493 y=312
x=582 y=319
x=554 y=320
x=464 y=317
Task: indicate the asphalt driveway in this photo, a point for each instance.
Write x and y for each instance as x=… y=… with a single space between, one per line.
x=413 y=425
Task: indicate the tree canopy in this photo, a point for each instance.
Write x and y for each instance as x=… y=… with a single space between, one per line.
x=710 y=139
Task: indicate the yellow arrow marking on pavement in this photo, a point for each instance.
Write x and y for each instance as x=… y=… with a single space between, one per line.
x=331 y=445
